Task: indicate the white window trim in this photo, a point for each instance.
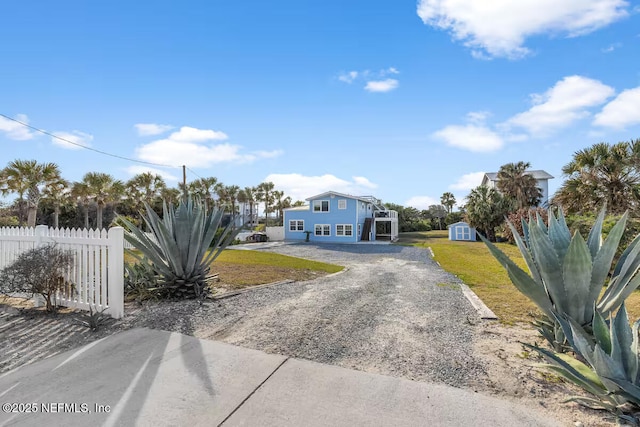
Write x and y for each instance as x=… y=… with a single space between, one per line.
x=342 y=202
x=315 y=230
x=313 y=206
x=344 y=230
x=296 y=228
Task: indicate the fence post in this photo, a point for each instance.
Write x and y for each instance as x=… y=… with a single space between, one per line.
x=116 y=272
x=40 y=234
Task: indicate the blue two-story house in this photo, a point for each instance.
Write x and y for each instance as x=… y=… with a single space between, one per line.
x=341 y=218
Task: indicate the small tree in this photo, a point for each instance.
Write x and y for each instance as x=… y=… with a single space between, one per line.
x=38 y=271
x=485 y=210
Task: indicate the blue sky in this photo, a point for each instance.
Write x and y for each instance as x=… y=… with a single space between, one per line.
x=403 y=100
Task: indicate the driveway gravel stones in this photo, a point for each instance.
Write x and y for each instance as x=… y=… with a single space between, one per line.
x=393 y=311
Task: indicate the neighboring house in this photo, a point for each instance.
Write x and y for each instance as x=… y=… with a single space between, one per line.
x=341 y=218
x=490 y=180
x=462 y=231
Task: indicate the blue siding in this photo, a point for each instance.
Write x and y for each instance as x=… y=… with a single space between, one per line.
x=352 y=215
x=462 y=231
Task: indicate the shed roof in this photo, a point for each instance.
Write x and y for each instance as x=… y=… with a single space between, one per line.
x=459 y=223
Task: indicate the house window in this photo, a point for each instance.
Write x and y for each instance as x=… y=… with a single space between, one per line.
x=322 y=230
x=321 y=206
x=342 y=204
x=344 y=230
x=359 y=229
x=296 y=225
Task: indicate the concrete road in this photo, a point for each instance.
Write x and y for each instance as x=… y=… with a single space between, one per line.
x=156 y=378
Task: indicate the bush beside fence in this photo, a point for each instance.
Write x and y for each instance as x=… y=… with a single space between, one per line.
x=97 y=274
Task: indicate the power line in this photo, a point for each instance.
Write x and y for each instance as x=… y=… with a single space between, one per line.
x=85 y=147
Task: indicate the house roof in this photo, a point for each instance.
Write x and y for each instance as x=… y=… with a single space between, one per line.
x=335 y=193
x=537 y=174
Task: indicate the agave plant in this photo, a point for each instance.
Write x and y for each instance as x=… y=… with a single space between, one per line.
x=178 y=245
x=567 y=273
x=610 y=368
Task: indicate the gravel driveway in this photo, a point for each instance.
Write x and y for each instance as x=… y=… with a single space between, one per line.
x=394 y=311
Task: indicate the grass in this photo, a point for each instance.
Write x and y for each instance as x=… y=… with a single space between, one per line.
x=472 y=262
x=239 y=269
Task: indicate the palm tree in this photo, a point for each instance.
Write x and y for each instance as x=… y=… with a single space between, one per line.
x=264 y=194
x=248 y=196
x=81 y=193
x=104 y=189
x=144 y=188
x=281 y=204
x=448 y=200
x=30 y=177
x=485 y=210
x=602 y=174
x=515 y=183
x=58 y=194
x=170 y=195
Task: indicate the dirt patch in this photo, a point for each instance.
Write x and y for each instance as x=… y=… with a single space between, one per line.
x=253 y=275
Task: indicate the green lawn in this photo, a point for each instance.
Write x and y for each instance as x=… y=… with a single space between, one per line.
x=241 y=269
x=472 y=262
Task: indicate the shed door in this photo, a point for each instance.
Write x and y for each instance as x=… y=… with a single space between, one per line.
x=463 y=233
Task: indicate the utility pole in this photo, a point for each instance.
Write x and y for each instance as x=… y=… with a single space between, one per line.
x=184 y=180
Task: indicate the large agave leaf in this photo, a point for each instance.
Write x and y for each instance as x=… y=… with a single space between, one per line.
x=606 y=367
x=628 y=390
x=525 y=231
x=525 y=284
x=560 y=237
x=576 y=273
x=533 y=269
x=540 y=223
x=595 y=235
x=622 y=344
x=603 y=259
x=573 y=370
x=601 y=332
x=146 y=246
x=623 y=283
x=548 y=263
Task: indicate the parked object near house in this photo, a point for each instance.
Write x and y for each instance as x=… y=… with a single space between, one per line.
x=490 y=180
x=462 y=231
x=97 y=273
x=341 y=218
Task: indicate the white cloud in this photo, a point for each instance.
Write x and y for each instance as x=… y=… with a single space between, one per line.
x=75 y=137
x=611 y=48
x=478 y=117
x=381 y=85
x=500 y=27
x=14 y=130
x=301 y=187
x=149 y=129
x=623 y=111
x=364 y=182
x=196 y=148
x=376 y=80
x=470 y=137
x=348 y=77
x=189 y=134
x=421 y=202
x=139 y=169
x=567 y=101
x=467 y=181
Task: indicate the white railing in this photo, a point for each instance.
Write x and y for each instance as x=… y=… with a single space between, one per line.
x=97 y=273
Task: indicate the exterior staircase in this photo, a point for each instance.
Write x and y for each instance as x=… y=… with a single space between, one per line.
x=366 y=229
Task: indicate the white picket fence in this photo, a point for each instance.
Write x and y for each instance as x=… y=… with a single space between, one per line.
x=97 y=274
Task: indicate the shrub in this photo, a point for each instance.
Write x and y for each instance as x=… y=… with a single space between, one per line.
x=177 y=246
x=516 y=218
x=40 y=271
x=140 y=281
